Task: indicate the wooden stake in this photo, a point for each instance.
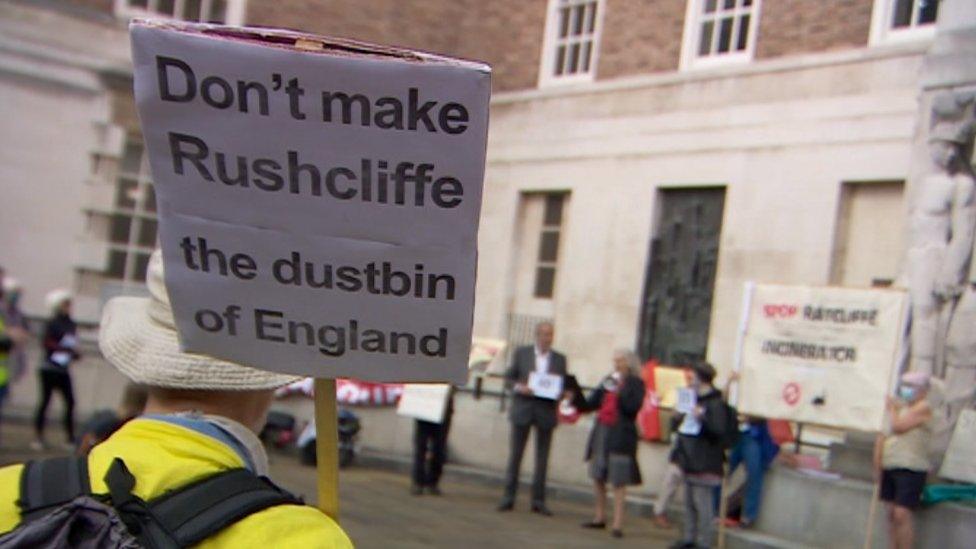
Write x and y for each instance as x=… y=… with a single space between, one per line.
x=872 y=511
x=723 y=508
x=327 y=447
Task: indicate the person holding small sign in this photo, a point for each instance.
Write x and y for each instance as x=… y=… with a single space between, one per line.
x=612 y=446
x=60 y=351
x=430 y=450
x=901 y=459
x=707 y=426
x=536 y=377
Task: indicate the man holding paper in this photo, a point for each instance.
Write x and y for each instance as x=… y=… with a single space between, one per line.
x=536 y=377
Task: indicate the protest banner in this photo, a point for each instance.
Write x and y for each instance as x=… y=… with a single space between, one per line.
x=318 y=199
x=318 y=203
x=424 y=401
x=960 y=459
x=823 y=356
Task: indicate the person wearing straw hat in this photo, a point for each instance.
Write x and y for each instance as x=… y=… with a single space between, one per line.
x=201 y=420
x=60 y=351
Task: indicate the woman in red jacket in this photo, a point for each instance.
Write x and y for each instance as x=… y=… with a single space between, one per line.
x=612 y=448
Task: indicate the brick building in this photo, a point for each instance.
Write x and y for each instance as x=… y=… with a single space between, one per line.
x=645 y=159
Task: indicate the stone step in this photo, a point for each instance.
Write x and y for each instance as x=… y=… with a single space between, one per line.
x=751 y=539
x=833 y=512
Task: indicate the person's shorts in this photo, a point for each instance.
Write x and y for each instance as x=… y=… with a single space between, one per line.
x=902 y=487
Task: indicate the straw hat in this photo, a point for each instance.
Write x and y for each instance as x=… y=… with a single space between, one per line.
x=56 y=298
x=138 y=336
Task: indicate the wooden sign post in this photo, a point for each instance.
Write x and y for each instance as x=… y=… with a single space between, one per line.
x=327 y=447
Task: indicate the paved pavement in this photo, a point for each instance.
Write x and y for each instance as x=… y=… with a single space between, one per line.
x=378 y=512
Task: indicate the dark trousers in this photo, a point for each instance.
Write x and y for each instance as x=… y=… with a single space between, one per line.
x=432 y=438
x=52 y=380
x=520 y=435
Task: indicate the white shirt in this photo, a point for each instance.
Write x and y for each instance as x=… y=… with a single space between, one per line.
x=542 y=361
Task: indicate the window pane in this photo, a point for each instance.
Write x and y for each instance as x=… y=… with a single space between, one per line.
x=728 y=4
x=142 y=262
x=574 y=52
x=747 y=3
x=563 y=22
x=119 y=229
x=705 y=46
x=560 y=59
x=725 y=35
x=554 y=210
x=902 y=14
x=131 y=157
x=578 y=17
x=150 y=204
x=218 y=11
x=545 y=278
x=147 y=233
x=141 y=4
x=191 y=10
x=928 y=11
x=125 y=194
x=585 y=62
x=709 y=6
x=743 y=39
x=165 y=7
x=116 y=264
x=549 y=246
x=591 y=17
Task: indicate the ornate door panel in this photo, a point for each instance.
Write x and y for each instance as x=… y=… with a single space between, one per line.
x=680 y=278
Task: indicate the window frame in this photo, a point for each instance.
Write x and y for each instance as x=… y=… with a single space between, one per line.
x=547 y=228
x=884 y=33
x=137 y=215
x=234 y=14
x=690 y=60
x=551 y=41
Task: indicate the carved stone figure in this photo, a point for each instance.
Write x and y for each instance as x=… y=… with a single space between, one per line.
x=942 y=231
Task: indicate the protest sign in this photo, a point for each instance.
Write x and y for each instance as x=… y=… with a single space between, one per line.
x=960 y=459
x=424 y=401
x=668 y=381
x=318 y=199
x=548 y=386
x=821 y=355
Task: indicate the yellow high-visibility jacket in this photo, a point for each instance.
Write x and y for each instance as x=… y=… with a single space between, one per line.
x=164 y=456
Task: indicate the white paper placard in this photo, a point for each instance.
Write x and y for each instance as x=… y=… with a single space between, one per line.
x=686 y=401
x=424 y=401
x=318 y=210
x=960 y=459
x=549 y=386
x=821 y=355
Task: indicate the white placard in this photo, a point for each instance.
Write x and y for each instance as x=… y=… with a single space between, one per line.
x=686 y=401
x=424 y=401
x=318 y=205
x=549 y=386
x=960 y=459
x=821 y=355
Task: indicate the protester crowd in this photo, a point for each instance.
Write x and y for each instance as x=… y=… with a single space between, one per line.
x=193 y=417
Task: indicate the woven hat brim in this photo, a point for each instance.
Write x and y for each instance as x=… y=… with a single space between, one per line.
x=149 y=353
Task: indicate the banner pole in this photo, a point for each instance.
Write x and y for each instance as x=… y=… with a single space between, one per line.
x=872 y=512
x=733 y=399
x=327 y=447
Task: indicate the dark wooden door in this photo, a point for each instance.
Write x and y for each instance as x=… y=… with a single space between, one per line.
x=680 y=278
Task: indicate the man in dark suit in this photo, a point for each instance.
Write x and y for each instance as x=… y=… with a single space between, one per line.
x=529 y=410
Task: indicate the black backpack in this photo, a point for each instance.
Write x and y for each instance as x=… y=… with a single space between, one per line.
x=730 y=429
x=58 y=509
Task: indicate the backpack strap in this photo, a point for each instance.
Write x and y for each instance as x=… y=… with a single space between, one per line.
x=51 y=482
x=201 y=509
